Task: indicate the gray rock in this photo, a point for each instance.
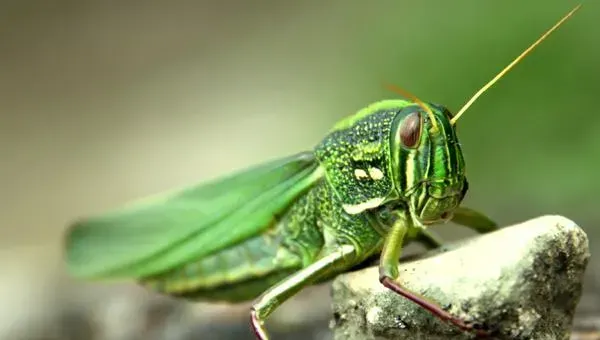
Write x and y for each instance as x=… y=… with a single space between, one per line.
x=524 y=281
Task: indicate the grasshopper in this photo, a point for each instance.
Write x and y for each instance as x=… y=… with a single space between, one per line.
x=373 y=184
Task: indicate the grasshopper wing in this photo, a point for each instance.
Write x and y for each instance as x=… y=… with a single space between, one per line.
x=162 y=232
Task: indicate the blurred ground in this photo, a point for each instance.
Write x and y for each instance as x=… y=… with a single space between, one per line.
x=106 y=102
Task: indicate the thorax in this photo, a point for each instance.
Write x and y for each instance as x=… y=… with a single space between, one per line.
x=317 y=224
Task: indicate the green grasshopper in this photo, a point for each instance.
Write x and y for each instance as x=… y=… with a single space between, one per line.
x=372 y=185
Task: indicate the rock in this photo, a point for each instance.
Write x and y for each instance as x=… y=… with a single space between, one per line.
x=524 y=281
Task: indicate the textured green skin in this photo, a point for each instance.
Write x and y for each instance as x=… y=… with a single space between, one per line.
x=317 y=224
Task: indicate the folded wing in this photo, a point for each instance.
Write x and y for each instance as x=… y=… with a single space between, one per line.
x=157 y=234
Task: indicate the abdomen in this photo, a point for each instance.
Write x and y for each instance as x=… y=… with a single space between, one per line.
x=239 y=273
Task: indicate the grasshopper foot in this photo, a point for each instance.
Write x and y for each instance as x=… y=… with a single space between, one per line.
x=478 y=329
x=257 y=326
x=483 y=330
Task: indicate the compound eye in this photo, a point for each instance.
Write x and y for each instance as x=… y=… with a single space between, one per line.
x=446 y=215
x=410 y=130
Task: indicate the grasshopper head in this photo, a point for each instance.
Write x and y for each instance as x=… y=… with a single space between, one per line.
x=416 y=158
x=428 y=163
x=392 y=151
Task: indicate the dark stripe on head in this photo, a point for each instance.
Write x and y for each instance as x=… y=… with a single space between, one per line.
x=407 y=160
x=444 y=159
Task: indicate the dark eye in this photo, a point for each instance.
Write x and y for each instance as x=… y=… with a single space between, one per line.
x=410 y=130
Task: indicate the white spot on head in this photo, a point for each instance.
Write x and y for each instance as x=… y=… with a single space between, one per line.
x=375 y=173
x=360 y=173
x=354 y=209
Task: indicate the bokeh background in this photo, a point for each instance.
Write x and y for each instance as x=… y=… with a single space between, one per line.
x=102 y=102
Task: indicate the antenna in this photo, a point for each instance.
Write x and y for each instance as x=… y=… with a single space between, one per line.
x=414 y=98
x=513 y=63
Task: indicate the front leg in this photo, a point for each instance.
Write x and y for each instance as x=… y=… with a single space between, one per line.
x=388 y=274
x=275 y=296
x=474 y=220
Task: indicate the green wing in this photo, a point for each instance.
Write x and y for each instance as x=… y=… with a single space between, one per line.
x=160 y=233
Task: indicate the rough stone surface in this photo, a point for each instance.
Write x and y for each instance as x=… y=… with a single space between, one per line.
x=524 y=281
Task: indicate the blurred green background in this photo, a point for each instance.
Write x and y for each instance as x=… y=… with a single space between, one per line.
x=104 y=102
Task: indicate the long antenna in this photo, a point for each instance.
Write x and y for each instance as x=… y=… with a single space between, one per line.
x=513 y=63
x=418 y=101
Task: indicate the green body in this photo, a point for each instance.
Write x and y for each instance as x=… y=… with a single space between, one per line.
x=233 y=238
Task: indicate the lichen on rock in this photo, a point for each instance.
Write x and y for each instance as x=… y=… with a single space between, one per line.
x=523 y=282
